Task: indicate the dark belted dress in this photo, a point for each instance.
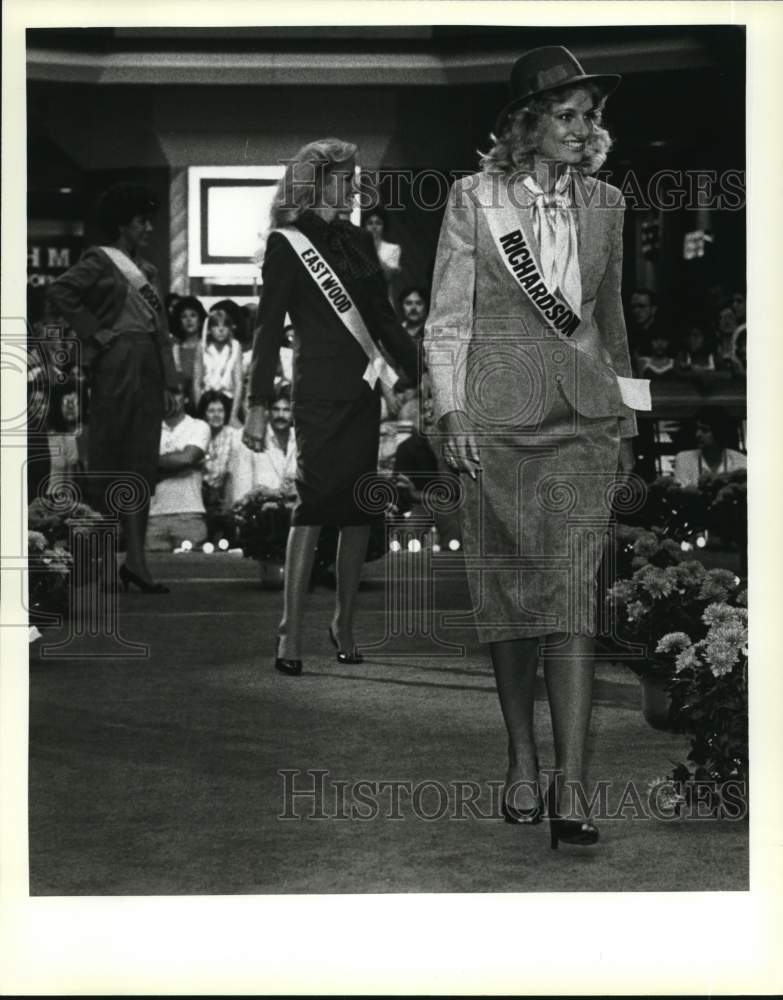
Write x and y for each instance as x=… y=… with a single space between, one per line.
x=336 y=414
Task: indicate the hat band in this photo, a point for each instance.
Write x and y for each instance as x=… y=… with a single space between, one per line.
x=551 y=77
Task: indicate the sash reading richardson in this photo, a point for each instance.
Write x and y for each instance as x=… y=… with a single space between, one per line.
x=522 y=265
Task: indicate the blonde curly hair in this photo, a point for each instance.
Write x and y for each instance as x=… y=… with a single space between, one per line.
x=300 y=187
x=519 y=140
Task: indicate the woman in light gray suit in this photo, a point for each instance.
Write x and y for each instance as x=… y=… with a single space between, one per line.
x=528 y=354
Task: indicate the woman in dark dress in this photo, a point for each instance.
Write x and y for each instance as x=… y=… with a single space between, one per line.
x=325 y=273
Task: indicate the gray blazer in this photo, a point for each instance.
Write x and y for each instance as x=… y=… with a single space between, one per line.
x=488 y=351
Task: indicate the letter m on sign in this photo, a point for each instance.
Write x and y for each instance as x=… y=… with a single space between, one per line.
x=58 y=257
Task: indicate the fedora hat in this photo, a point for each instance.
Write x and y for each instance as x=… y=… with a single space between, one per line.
x=548 y=68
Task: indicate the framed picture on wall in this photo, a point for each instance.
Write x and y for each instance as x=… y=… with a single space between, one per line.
x=228 y=216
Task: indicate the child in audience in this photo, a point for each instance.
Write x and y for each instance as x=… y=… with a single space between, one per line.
x=219 y=363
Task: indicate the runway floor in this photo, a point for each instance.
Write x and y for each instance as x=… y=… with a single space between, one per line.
x=165 y=765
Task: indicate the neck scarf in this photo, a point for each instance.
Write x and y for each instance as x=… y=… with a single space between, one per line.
x=555 y=227
x=343 y=245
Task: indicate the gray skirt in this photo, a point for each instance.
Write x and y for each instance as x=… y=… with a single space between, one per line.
x=535 y=525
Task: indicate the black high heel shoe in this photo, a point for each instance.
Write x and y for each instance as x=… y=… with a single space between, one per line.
x=342 y=656
x=523 y=817
x=127 y=578
x=292 y=668
x=570 y=831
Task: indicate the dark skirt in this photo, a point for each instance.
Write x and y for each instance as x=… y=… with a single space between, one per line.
x=337 y=447
x=535 y=526
x=126 y=413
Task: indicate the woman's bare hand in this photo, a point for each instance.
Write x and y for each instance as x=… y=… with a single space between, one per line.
x=460 y=451
x=254 y=435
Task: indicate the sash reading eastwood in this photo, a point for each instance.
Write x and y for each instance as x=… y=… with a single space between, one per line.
x=326 y=279
x=523 y=266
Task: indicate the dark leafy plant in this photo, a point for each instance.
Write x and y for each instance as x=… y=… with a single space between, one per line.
x=262 y=520
x=726 y=497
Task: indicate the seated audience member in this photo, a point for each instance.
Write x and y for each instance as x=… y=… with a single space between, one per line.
x=713 y=456
x=177 y=512
x=739 y=305
x=238 y=317
x=218 y=364
x=658 y=361
x=219 y=463
x=187 y=323
x=735 y=356
x=67 y=436
x=273 y=473
x=739 y=361
x=274 y=468
x=698 y=356
x=169 y=302
x=642 y=320
x=414 y=307
x=388 y=253
x=249 y=312
x=726 y=324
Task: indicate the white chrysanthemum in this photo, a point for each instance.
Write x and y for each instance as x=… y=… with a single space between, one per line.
x=687 y=658
x=718 y=614
x=721 y=657
x=673 y=642
x=36 y=541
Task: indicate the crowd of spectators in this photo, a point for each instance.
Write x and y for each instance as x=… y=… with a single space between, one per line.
x=701 y=348
x=205 y=468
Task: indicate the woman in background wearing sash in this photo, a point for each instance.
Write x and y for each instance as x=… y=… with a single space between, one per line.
x=126 y=344
x=533 y=417
x=335 y=411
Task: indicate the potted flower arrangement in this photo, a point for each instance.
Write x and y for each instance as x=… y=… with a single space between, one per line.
x=48 y=573
x=51 y=527
x=710 y=701
x=655 y=601
x=637 y=546
x=56 y=522
x=262 y=519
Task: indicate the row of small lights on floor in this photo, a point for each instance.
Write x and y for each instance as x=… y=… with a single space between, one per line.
x=413 y=545
x=417 y=544
x=208 y=547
